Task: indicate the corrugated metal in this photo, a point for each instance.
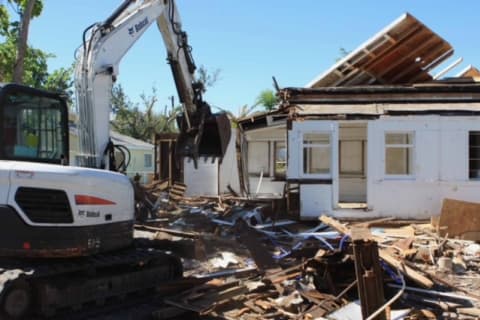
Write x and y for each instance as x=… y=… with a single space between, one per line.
x=402 y=53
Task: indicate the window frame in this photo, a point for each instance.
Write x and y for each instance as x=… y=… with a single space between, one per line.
x=61 y=154
x=412 y=148
x=469 y=168
x=145 y=160
x=279 y=176
x=328 y=146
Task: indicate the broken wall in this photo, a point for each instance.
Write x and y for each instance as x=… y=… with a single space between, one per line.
x=266 y=160
x=213 y=177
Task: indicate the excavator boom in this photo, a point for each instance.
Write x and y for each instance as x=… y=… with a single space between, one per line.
x=104 y=45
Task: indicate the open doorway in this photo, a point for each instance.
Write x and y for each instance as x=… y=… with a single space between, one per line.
x=352 y=166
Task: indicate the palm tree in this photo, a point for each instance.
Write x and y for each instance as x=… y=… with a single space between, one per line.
x=268 y=99
x=243 y=112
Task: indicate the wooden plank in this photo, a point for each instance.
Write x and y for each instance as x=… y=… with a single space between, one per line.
x=372 y=223
x=406 y=270
x=384 y=255
x=335 y=224
x=169 y=231
x=474 y=312
x=454 y=215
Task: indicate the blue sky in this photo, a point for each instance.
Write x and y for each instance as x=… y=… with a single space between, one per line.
x=251 y=41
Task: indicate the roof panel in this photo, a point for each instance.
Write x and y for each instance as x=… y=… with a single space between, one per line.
x=402 y=53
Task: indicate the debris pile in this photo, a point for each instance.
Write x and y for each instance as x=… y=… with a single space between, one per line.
x=249 y=262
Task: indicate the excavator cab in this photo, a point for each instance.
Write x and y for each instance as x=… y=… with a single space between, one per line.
x=34 y=125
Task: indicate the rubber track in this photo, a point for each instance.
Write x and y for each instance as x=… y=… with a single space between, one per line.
x=33 y=270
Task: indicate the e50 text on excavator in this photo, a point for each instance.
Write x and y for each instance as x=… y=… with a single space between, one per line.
x=66 y=232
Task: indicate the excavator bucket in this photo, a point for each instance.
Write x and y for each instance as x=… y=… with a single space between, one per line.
x=209 y=138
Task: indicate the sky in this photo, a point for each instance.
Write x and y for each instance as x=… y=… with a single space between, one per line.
x=250 y=41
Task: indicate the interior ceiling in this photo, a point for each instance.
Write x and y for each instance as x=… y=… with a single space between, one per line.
x=402 y=53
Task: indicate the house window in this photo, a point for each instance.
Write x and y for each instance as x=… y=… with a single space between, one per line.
x=258 y=158
x=280 y=159
x=351 y=157
x=474 y=155
x=399 y=153
x=316 y=153
x=147 y=160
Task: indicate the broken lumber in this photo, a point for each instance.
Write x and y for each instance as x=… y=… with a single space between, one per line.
x=384 y=255
x=178 y=233
x=406 y=270
x=474 y=312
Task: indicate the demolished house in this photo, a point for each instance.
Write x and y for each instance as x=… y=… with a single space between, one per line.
x=373 y=149
x=373 y=136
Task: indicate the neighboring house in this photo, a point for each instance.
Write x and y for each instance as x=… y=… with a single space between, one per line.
x=141 y=154
x=375 y=132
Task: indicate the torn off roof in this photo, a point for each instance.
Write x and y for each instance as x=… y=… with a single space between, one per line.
x=470 y=72
x=402 y=53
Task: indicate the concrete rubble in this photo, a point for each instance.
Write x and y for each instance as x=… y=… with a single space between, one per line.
x=243 y=260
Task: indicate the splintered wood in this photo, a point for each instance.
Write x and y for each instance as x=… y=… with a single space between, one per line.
x=261 y=266
x=384 y=255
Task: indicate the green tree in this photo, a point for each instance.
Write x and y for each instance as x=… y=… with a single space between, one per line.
x=61 y=80
x=243 y=112
x=268 y=99
x=26 y=13
x=4 y=21
x=16 y=57
x=141 y=123
x=35 y=67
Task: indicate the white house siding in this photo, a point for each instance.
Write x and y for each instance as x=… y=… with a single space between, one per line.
x=229 y=174
x=318 y=191
x=203 y=180
x=137 y=148
x=439 y=170
x=138 y=166
x=440 y=166
x=211 y=177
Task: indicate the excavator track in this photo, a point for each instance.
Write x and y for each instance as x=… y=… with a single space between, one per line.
x=43 y=288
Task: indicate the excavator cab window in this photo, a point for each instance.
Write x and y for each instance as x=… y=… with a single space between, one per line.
x=34 y=125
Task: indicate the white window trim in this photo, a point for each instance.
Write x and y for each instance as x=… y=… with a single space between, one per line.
x=410 y=176
x=302 y=145
x=145 y=162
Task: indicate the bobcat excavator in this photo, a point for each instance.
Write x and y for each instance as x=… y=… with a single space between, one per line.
x=66 y=232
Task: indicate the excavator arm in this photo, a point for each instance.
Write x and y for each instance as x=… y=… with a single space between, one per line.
x=104 y=45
